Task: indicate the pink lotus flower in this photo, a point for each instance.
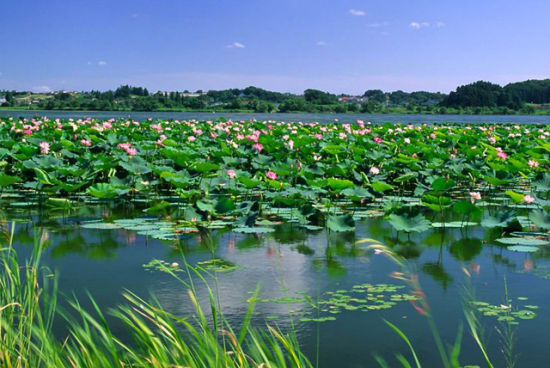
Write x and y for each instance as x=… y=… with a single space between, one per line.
x=124 y=146
x=86 y=142
x=377 y=140
x=374 y=170
x=533 y=163
x=258 y=147
x=231 y=173
x=271 y=175
x=191 y=138
x=27 y=132
x=502 y=155
x=475 y=196
x=128 y=149
x=291 y=144
x=44 y=148
x=528 y=198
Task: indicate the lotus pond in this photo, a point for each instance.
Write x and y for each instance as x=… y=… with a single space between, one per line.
x=340 y=226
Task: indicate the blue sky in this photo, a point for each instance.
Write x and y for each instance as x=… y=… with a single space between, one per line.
x=339 y=46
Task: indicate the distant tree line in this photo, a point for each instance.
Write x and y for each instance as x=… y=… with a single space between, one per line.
x=513 y=96
x=475 y=98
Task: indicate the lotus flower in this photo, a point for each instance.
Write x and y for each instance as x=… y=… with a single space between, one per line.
x=44 y=148
x=475 y=196
x=502 y=155
x=271 y=175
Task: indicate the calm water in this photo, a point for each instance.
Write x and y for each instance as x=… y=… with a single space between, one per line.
x=290 y=261
x=322 y=118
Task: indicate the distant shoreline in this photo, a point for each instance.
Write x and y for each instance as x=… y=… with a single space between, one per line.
x=243 y=111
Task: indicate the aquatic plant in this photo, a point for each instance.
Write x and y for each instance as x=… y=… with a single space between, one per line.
x=324 y=173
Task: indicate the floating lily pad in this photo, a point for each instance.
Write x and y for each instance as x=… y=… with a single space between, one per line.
x=321 y=319
x=523 y=248
x=142 y=228
x=522 y=241
x=453 y=224
x=218 y=265
x=162 y=266
x=312 y=227
x=506 y=313
x=254 y=230
x=528 y=234
x=98 y=225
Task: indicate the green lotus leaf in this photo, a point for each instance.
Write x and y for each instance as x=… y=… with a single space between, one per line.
x=541 y=219
x=342 y=223
x=381 y=187
x=7 y=180
x=408 y=223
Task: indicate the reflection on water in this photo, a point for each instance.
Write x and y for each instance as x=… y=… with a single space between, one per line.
x=292 y=262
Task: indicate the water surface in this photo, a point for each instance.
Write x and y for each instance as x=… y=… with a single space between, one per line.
x=294 y=117
x=292 y=261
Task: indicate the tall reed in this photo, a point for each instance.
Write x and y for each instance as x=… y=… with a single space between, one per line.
x=29 y=308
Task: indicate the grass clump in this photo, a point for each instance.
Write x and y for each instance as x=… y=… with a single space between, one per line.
x=29 y=309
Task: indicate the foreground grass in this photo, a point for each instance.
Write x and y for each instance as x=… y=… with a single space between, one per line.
x=28 y=308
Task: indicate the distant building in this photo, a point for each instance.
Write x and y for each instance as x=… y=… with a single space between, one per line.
x=192 y=94
x=2 y=100
x=351 y=99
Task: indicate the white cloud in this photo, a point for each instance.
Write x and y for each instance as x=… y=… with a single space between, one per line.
x=378 y=24
x=319 y=43
x=44 y=89
x=357 y=13
x=419 y=25
x=134 y=15
x=236 y=45
x=101 y=63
